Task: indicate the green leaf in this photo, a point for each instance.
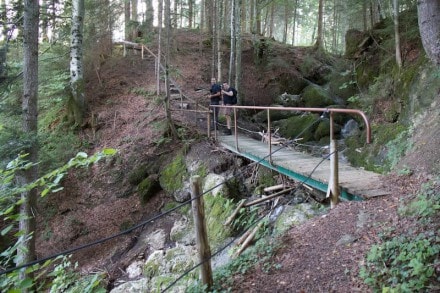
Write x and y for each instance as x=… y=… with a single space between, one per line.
x=81 y=155
x=57 y=189
x=45 y=191
x=109 y=152
x=9 y=210
x=6 y=230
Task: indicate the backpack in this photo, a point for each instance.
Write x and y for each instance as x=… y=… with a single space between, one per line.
x=234 y=96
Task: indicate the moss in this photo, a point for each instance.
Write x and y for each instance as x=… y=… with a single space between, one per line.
x=148 y=188
x=298 y=127
x=217 y=209
x=266 y=176
x=378 y=156
x=137 y=175
x=315 y=96
x=173 y=175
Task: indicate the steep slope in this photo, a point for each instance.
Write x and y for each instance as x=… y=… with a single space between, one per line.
x=320 y=256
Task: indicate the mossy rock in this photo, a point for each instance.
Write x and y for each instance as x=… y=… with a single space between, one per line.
x=343 y=85
x=148 y=188
x=138 y=174
x=288 y=82
x=316 y=97
x=323 y=130
x=298 y=127
x=261 y=117
x=353 y=38
x=266 y=176
x=217 y=210
x=173 y=175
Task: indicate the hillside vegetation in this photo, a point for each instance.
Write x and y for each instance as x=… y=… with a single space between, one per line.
x=387 y=243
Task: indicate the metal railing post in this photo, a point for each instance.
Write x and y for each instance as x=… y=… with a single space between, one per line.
x=270 y=136
x=333 y=186
x=208 y=119
x=235 y=129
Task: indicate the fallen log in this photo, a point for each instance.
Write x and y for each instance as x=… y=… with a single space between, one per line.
x=234 y=214
x=257 y=201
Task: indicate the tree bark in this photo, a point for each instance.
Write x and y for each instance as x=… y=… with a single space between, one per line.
x=233 y=39
x=238 y=50
x=219 y=40
x=127 y=18
x=149 y=15
x=320 y=35
x=26 y=252
x=295 y=14
x=168 y=28
x=77 y=105
x=396 y=33
x=429 y=26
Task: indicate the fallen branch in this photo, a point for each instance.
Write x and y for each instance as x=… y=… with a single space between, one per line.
x=248 y=240
x=234 y=214
x=275 y=187
x=257 y=201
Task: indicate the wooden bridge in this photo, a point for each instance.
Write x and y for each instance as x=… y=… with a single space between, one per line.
x=320 y=173
x=335 y=178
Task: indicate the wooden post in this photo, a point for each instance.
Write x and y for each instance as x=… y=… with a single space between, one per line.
x=201 y=232
x=334 y=167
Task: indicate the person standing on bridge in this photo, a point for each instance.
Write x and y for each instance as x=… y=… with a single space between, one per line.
x=229 y=95
x=215 y=96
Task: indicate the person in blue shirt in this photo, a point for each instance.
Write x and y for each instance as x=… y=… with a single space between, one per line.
x=215 y=99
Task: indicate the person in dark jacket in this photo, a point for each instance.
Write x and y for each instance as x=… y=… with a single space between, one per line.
x=215 y=99
x=229 y=95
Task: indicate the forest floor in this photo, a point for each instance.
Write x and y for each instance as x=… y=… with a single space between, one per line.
x=321 y=255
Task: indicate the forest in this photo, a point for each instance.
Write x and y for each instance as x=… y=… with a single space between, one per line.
x=86 y=125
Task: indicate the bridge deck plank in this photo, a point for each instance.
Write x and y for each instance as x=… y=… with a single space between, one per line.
x=353 y=180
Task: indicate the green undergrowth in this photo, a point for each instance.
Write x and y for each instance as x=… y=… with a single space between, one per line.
x=408 y=262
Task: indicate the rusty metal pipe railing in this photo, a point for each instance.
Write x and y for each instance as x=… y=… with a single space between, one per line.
x=333 y=187
x=302 y=109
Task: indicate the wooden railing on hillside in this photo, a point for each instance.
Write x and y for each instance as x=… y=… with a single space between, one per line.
x=186 y=103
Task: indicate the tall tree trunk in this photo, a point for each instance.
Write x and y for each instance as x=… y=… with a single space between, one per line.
x=134 y=10
x=127 y=18
x=202 y=16
x=252 y=17
x=286 y=20
x=209 y=7
x=232 y=53
x=238 y=50
x=271 y=19
x=159 y=45
x=219 y=40
x=364 y=14
x=168 y=28
x=149 y=15
x=295 y=14
x=214 y=38
x=258 y=17
x=190 y=13
x=320 y=35
x=396 y=33
x=26 y=252
x=44 y=21
x=429 y=26
x=134 y=19
x=77 y=105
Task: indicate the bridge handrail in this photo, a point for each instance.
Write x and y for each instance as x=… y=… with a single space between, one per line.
x=305 y=109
